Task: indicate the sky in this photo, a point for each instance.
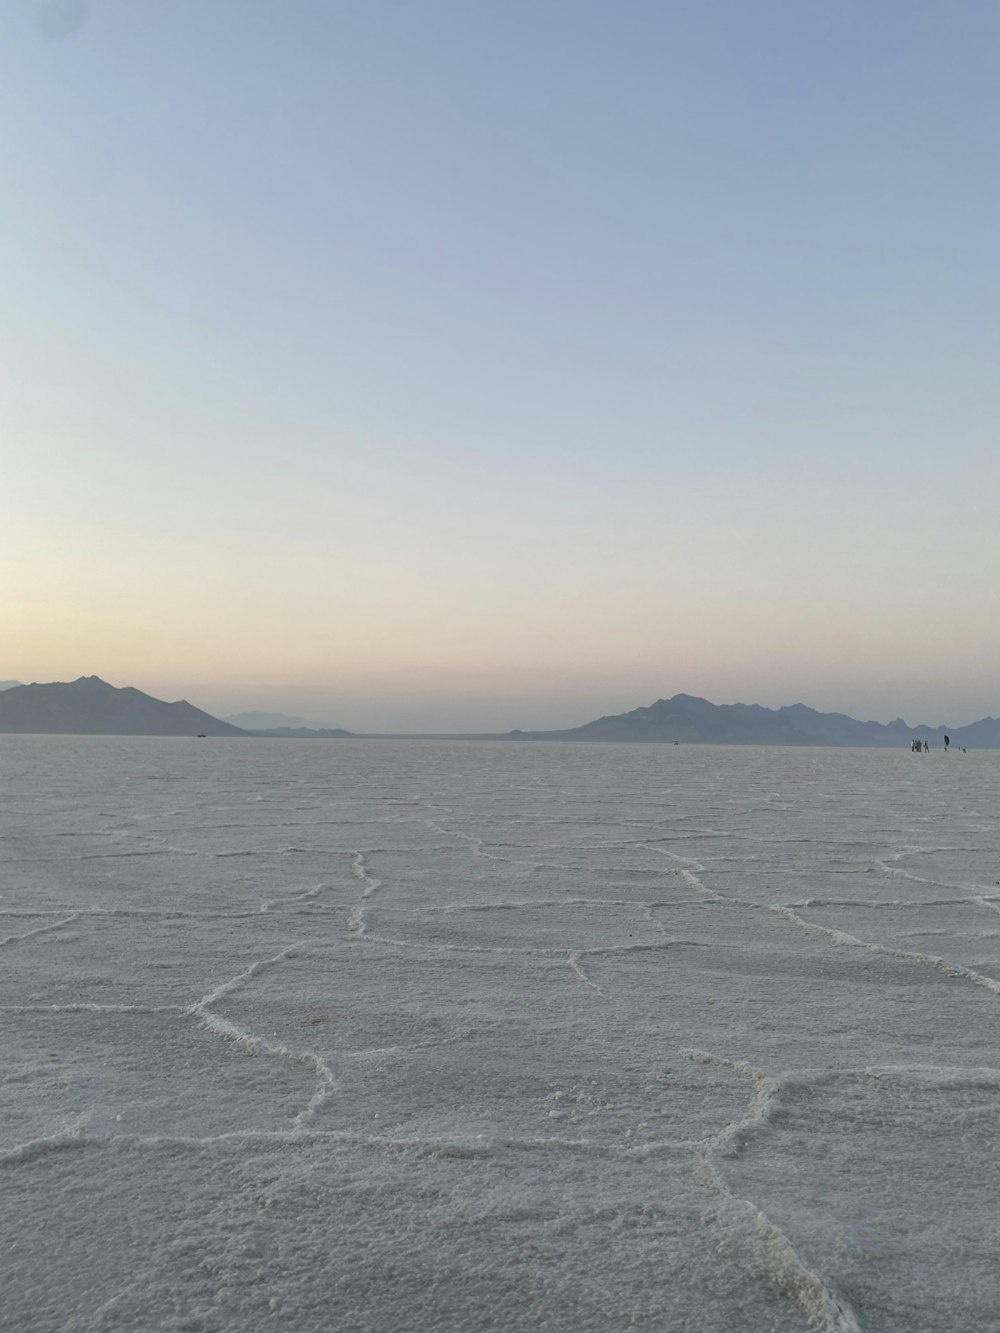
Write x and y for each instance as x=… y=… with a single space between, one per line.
x=472 y=364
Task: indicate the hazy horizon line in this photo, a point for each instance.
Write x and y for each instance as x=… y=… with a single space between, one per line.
x=223 y=713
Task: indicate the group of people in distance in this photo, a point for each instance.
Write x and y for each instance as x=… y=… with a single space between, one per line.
x=923 y=747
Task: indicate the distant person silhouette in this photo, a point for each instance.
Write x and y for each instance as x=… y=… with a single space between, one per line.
x=927 y=747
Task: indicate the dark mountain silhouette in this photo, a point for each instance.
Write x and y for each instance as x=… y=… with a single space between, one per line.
x=838 y=729
x=90 y=706
x=981 y=735
x=691 y=720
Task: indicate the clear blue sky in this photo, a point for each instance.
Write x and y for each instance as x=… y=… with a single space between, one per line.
x=487 y=364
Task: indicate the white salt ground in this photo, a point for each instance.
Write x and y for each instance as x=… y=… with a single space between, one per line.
x=430 y=1036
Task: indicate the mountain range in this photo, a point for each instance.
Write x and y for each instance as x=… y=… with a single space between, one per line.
x=90 y=706
x=688 y=719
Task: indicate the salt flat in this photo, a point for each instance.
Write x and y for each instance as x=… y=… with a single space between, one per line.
x=457 y=1036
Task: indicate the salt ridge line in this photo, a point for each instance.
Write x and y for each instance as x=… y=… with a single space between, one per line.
x=476 y=845
x=39 y=930
x=227 y=854
x=574 y=963
x=49 y=1143
x=542 y=951
x=140 y=913
x=896 y=872
x=363 y=1053
x=928 y=1076
x=653 y=921
x=993 y=903
x=359 y=868
x=478 y=1146
x=87 y=1007
x=100 y=856
x=907 y=955
x=205 y=828
x=72 y=1137
x=77 y=1137
x=223 y=1027
x=179 y=914
x=768 y=1249
x=277 y=851
x=532 y=903
x=306 y=895
x=935 y=1077
x=689 y=870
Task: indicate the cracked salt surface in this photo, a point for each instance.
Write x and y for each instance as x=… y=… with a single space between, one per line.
x=454 y=1036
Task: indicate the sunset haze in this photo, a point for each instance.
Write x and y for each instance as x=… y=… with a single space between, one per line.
x=440 y=366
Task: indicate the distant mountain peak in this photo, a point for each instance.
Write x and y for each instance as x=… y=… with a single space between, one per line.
x=690 y=719
x=90 y=706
